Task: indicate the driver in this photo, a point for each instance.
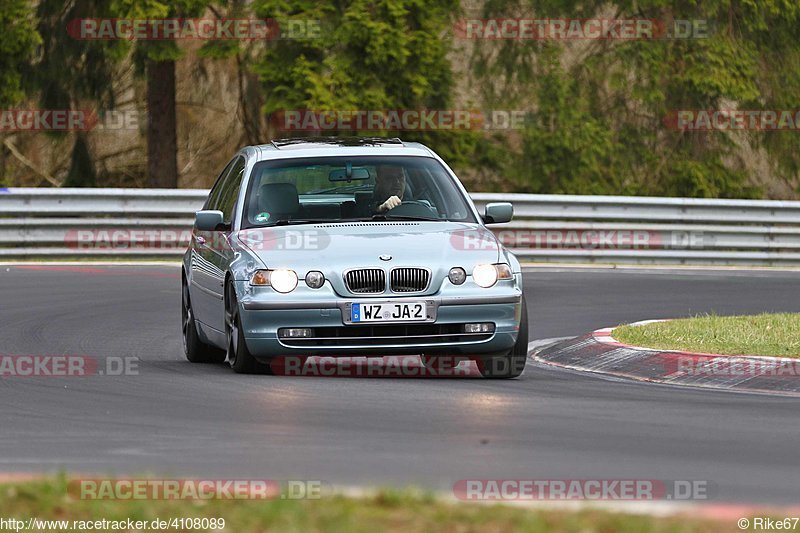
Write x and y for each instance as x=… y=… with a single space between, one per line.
x=390 y=184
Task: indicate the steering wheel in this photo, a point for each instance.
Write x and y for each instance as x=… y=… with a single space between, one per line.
x=413 y=208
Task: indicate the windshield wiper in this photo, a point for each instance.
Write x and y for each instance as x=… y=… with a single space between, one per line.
x=404 y=217
x=294 y=221
x=377 y=218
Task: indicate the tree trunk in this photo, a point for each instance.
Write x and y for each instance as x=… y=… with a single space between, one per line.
x=81 y=169
x=162 y=140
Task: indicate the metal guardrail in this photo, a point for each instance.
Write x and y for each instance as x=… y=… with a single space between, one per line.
x=36 y=223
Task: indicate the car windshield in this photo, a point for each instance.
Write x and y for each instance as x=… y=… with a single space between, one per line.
x=340 y=189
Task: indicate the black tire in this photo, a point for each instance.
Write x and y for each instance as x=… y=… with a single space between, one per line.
x=195 y=350
x=512 y=364
x=239 y=356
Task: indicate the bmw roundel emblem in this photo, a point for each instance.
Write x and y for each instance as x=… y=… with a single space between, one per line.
x=385 y=257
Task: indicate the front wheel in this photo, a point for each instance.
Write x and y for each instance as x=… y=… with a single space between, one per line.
x=195 y=350
x=239 y=357
x=512 y=364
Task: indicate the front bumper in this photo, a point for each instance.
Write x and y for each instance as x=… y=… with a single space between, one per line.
x=263 y=312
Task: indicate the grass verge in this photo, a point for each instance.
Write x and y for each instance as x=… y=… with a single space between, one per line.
x=49 y=499
x=766 y=334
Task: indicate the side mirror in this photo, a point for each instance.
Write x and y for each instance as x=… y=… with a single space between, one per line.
x=208 y=220
x=498 y=212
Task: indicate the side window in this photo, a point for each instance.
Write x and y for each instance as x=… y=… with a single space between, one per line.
x=212 y=202
x=229 y=192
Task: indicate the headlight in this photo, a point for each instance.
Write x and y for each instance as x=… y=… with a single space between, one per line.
x=315 y=279
x=487 y=275
x=484 y=275
x=281 y=279
x=457 y=276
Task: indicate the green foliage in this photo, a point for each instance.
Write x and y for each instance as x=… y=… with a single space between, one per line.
x=597 y=108
x=367 y=55
x=165 y=50
x=598 y=121
x=90 y=63
x=88 y=77
x=18 y=41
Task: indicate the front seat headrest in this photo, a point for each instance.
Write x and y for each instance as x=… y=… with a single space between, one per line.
x=280 y=200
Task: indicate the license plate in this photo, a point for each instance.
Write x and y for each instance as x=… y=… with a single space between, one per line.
x=389 y=312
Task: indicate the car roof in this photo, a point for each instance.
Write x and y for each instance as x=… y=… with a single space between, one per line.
x=334 y=146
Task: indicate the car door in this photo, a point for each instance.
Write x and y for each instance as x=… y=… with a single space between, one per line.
x=215 y=253
x=203 y=293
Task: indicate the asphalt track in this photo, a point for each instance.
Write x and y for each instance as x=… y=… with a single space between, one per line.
x=179 y=419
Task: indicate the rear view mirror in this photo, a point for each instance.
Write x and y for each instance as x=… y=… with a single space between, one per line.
x=208 y=220
x=498 y=213
x=349 y=173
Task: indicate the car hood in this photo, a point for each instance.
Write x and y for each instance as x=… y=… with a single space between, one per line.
x=336 y=247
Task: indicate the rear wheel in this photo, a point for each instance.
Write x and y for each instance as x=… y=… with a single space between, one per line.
x=239 y=357
x=195 y=350
x=512 y=364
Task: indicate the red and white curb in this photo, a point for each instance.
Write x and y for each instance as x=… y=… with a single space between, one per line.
x=599 y=352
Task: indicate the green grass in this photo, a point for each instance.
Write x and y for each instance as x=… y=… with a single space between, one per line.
x=386 y=511
x=766 y=334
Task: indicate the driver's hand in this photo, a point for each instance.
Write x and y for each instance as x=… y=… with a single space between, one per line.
x=391 y=203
